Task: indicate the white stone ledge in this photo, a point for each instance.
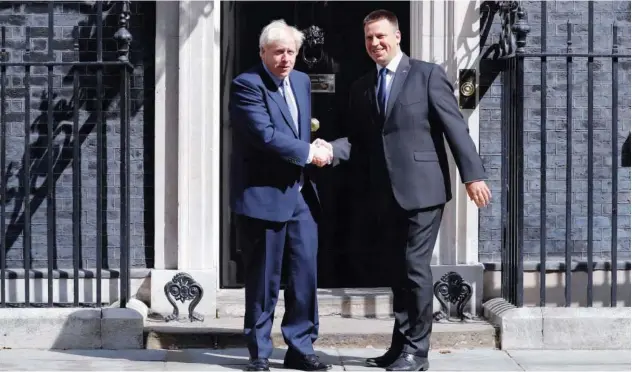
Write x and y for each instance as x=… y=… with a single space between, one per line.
x=559 y=328
x=63 y=289
x=72 y=328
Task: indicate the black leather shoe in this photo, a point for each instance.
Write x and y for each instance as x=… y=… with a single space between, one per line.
x=385 y=360
x=409 y=362
x=259 y=364
x=304 y=362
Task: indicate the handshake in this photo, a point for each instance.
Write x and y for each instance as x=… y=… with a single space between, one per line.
x=322 y=152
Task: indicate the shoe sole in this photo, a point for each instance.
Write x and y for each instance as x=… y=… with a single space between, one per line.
x=377 y=365
x=298 y=369
x=424 y=367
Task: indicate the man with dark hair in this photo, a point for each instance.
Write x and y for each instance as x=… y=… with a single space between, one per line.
x=399 y=116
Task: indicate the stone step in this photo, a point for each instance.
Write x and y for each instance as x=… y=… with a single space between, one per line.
x=335 y=331
x=345 y=302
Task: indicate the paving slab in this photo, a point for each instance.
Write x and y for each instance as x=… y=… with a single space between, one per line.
x=237 y=358
x=142 y=355
x=440 y=360
x=76 y=365
x=572 y=360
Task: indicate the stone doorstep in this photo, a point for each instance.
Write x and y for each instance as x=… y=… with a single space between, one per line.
x=334 y=331
x=72 y=328
x=347 y=302
x=559 y=328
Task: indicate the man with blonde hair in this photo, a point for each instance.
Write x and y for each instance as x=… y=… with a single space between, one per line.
x=271 y=195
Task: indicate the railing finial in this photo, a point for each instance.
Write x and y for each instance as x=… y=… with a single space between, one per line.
x=122 y=35
x=521 y=28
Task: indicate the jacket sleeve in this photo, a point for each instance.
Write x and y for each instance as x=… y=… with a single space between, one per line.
x=445 y=111
x=250 y=116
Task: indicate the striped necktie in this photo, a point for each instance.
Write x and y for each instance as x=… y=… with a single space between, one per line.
x=291 y=103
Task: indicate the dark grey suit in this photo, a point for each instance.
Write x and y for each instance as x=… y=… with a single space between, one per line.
x=401 y=173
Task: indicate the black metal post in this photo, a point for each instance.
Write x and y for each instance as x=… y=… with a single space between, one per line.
x=76 y=174
x=50 y=194
x=569 y=165
x=521 y=29
x=504 y=187
x=27 y=170
x=543 y=142
x=3 y=139
x=124 y=39
x=615 y=163
x=100 y=128
x=590 y=211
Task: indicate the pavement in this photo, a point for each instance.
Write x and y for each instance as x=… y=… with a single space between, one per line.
x=345 y=359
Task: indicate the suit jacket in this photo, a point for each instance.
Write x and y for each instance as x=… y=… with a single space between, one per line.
x=406 y=149
x=268 y=154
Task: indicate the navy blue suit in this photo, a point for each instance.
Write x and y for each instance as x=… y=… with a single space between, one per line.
x=269 y=189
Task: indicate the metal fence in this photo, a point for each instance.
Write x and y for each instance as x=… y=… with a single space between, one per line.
x=513 y=42
x=79 y=67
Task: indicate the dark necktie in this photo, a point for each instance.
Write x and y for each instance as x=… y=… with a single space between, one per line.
x=381 y=92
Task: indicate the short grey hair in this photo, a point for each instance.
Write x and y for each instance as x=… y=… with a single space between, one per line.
x=278 y=31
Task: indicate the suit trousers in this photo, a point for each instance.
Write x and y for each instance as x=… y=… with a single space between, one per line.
x=263 y=244
x=410 y=236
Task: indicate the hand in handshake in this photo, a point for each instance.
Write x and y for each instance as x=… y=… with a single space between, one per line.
x=323 y=152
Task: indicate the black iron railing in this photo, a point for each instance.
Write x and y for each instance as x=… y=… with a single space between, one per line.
x=81 y=96
x=513 y=42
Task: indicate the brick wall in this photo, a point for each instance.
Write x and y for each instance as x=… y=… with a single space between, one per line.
x=16 y=16
x=559 y=12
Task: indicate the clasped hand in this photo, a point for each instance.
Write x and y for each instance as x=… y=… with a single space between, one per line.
x=323 y=152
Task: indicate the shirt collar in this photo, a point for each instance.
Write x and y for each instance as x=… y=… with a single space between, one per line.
x=392 y=66
x=278 y=81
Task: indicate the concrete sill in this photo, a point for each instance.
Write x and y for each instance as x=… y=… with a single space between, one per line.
x=559 y=328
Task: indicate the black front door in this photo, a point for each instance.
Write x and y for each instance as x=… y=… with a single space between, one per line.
x=333 y=52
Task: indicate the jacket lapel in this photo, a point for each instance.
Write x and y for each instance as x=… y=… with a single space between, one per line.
x=398 y=82
x=300 y=95
x=370 y=82
x=275 y=93
x=280 y=101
